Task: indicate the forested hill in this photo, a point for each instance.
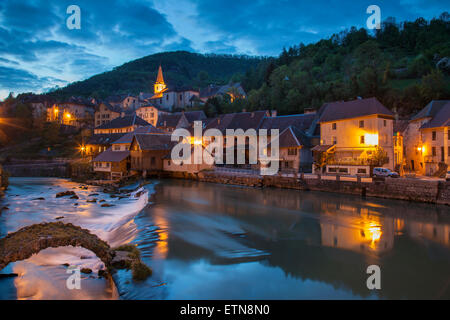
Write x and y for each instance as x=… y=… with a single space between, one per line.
x=181 y=68
x=404 y=65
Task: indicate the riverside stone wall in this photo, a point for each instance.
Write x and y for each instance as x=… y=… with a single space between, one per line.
x=402 y=189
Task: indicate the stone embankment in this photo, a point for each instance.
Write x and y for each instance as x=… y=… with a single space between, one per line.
x=410 y=189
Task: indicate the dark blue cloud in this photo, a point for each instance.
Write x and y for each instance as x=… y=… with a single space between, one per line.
x=37 y=47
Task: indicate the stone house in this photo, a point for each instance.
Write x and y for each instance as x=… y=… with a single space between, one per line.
x=149 y=113
x=147 y=152
x=351 y=131
x=427 y=138
x=112 y=163
x=106 y=113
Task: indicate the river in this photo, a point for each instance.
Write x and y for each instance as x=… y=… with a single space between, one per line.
x=211 y=241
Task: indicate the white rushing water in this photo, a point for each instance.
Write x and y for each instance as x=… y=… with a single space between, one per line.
x=43 y=276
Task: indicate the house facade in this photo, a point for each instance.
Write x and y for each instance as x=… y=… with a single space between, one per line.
x=147 y=152
x=427 y=139
x=355 y=133
x=149 y=113
x=106 y=113
x=122 y=124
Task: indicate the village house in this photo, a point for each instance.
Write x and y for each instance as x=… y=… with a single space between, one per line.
x=427 y=139
x=353 y=134
x=114 y=163
x=122 y=124
x=97 y=143
x=149 y=113
x=170 y=166
x=295 y=141
x=105 y=113
x=148 y=151
x=74 y=112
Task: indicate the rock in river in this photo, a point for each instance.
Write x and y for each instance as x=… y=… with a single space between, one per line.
x=65 y=193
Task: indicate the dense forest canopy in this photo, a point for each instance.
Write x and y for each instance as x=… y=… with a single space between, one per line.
x=404 y=65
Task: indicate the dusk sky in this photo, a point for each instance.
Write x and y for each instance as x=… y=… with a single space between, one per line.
x=38 y=51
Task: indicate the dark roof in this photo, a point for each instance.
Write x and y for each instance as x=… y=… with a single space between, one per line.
x=194 y=115
x=243 y=120
x=323 y=147
x=122 y=122
x=213 y=90
x=353 y=109
x=111 y=107
x=128 y=137
x=154 y=141
x=169 y=119
x=292 y=137
x=400 y=125
x=440 y=119
x=301 y=121
x=430 y=109
x=104 y=138
x=112 y=156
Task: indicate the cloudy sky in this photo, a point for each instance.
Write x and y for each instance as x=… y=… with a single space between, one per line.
x=38 y=51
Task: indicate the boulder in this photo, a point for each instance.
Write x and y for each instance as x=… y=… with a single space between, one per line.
x=86 y=270
x=106 y=205
x=65 y=193
x=40 y=198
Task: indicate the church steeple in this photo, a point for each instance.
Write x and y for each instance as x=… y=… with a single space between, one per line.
x=159 y=78
x=159 y=85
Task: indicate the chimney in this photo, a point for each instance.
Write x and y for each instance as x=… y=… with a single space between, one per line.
x=274 y=113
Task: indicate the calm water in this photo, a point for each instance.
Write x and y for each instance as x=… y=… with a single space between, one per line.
x=208 y=241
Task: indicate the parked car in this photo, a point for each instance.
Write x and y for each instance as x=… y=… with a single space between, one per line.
x=383 y=172
x=447 y=176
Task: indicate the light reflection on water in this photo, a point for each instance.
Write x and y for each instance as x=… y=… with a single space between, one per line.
x=209 y=241
x=228 y=242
